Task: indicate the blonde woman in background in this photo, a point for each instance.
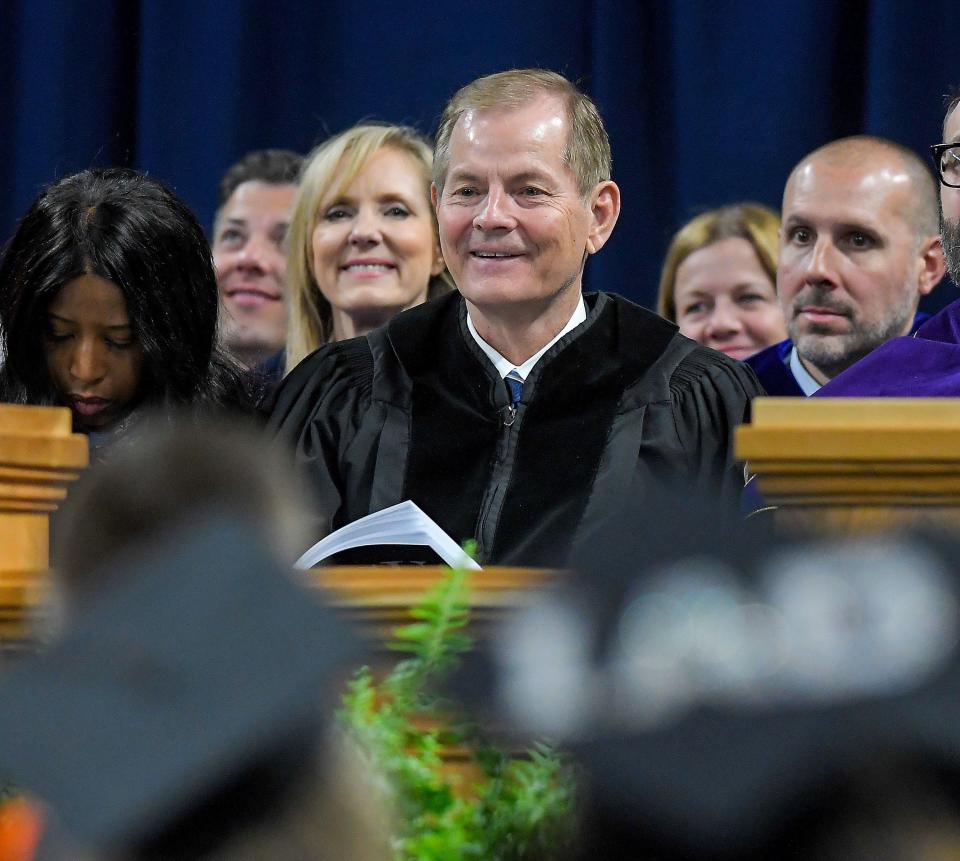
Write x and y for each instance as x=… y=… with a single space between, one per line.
x=719 y=280
x=363 y=242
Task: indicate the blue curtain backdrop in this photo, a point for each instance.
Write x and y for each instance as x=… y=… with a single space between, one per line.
x=706 y=101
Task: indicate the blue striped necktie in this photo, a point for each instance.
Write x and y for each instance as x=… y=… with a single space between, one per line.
x=515 y=385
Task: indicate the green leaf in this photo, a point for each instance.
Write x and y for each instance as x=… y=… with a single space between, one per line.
x=521 y=808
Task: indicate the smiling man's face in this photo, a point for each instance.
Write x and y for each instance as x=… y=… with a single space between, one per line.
x=514 y=230
x=250 y=256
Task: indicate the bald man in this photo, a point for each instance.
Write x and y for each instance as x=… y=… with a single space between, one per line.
x=927 y=365
x=859 y=247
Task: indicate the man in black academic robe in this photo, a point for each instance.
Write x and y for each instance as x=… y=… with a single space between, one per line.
x=517 y=412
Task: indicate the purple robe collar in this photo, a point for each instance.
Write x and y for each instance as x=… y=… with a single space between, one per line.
x=926 y=365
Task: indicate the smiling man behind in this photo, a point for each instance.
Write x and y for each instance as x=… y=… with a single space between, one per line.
x=517 y=411
x=249 y=233
x=859 y=247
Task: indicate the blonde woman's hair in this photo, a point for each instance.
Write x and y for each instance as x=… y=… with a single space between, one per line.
x=588 y=148
x=328 y=171
x=751 y=221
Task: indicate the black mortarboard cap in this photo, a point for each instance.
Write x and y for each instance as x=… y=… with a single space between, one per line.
x=202 y=657
x=722 y=771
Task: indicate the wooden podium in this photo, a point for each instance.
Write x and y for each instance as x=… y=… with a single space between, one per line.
x=379 y=597
x=39 y=458
x=854 y=465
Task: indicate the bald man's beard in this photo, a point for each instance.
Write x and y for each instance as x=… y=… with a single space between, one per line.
x=950 y=237
x=832 y=353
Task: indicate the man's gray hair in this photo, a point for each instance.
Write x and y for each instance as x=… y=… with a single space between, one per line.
x=588 y=148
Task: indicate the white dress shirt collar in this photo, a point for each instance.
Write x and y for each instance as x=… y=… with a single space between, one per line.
x=505 y=366
x=807 y=383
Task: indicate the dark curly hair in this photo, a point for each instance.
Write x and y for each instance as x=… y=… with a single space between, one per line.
x=130 y=229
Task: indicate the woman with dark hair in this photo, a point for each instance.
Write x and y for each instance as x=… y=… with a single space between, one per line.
x=108 y=305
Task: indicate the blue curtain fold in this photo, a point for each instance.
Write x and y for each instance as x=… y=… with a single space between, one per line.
x=705 y=102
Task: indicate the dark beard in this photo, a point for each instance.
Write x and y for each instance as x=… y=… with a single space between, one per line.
x=950 y=236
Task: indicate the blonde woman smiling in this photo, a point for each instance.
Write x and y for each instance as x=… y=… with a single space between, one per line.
x=363 y=239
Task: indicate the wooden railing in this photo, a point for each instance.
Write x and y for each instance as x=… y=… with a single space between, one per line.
x=39 y=458
x=377 y=598
x=850 y=465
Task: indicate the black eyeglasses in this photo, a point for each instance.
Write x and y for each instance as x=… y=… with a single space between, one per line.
x=946 y=156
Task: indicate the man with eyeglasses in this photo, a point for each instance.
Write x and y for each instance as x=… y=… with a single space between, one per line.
x=946 y=156
x=859 y=247
x=928 y=364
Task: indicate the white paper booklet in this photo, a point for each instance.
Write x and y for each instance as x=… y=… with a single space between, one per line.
x=403 y=523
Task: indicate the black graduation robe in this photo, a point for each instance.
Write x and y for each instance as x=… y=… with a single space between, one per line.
x=621 y=404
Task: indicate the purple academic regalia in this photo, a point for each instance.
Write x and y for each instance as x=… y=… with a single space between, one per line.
x=926 y=365
x=772 y=365
x=772 y=369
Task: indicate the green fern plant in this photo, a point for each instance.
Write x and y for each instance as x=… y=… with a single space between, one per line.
x=522 y=807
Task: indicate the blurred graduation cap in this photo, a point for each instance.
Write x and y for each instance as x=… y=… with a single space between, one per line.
x=710 y=677
x=187 y=698
x=578 y=614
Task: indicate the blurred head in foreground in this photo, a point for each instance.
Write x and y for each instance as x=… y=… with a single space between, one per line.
x=172 y=474
x=185 y=710
x=729 y=696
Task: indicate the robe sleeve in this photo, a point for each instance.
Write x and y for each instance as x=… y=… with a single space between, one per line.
x=316 y=411
x=709 y=398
